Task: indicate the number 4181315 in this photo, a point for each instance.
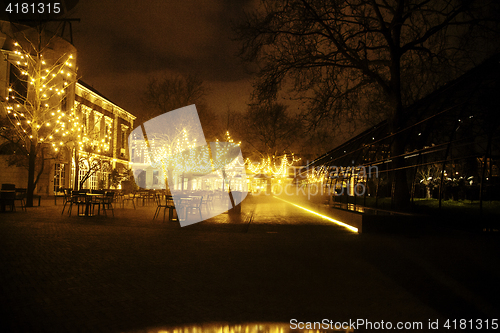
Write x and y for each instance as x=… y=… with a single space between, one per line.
x=471 y=324
x=33 y=8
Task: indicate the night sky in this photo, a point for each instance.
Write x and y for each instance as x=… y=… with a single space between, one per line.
x=121 y=43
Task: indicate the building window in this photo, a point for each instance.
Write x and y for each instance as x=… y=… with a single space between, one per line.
x=156 y=176
x=59 y=176
x=124 y=138
x=86 y=119
x=93 y=181
x=81 y=175
x=97 y=126
x=108 y=129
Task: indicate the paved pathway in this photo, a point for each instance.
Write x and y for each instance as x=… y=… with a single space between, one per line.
x=273 y=263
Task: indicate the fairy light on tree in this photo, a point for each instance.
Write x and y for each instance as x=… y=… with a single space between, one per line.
x=269 y=167
x=36 y=100
x=180 y=155
x=174 y=154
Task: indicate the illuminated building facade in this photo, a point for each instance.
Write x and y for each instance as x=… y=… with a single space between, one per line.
x=81 y=136
x=102 y=143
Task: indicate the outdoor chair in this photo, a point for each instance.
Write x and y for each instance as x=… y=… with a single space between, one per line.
x=67 y=198
x=96 y=201
x=107 y=202
x=169 y=203
x=60 y=192
x=209 y=201
x=129 y=197
x=21 y=196
x=145 y=196
x=195 y=204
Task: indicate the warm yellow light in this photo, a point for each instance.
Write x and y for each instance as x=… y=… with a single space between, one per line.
x=350 y=227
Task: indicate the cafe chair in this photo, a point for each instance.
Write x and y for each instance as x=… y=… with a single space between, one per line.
x=79 y=199
x=129 y=197
x=169 y=203
x=209 y=201
x=21 y=196
x=194 y=205
x=107 y=203
x=94 y=201
x=67 y=199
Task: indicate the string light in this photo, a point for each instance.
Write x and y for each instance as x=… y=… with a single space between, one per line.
x=269 y=167
x=34 y=67
x=183 y=156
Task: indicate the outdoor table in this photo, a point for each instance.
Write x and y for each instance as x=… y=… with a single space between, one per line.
x=91 y=199
x=183 y=204
x=7 y=198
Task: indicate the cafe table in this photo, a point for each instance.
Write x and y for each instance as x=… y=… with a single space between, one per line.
x=7 y=198
x=91 y=199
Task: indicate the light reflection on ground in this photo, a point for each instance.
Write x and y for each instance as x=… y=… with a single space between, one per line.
x=237 y=328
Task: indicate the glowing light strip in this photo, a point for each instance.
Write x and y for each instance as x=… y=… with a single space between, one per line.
x=345 y=225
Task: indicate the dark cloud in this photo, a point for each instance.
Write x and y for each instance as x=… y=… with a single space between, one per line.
x=122 y=43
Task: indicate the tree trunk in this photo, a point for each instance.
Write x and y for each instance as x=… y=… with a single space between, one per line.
x=76 y=183
x=31 y=174
x=400 y=190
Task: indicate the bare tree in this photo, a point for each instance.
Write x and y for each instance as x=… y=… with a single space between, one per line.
x=345 y=56
x=270 y=130
x=429 y=175
x=171 y=92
